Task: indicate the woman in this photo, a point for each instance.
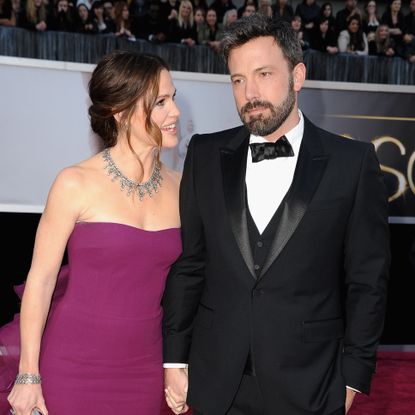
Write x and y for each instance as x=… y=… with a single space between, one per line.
x=123 y=21
x=7 y=16
x=282 y=10
x=394 y=18
x=101 y=350
x=35 y=17
x=246 y=3
x=296 y=24
x=323 y=38
x=84 y=22
x=326 y=12
x=211 y=34
x=370 y=19
x=102 y=23
x=353 y=40
x=264 y=8
x=382 y=44
x=183 y=30
x=199 y=19
x=230 y=17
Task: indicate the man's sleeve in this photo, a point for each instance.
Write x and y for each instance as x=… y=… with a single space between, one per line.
x=367 y=260
x=186 y=278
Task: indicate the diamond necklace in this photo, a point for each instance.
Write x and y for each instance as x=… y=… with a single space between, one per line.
x=149 y=187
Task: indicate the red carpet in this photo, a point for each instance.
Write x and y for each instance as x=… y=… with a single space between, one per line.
x=393 y=388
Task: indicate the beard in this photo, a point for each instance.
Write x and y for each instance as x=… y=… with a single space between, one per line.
x=262 y=125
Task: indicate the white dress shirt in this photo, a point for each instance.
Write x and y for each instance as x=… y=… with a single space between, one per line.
x=268 y=181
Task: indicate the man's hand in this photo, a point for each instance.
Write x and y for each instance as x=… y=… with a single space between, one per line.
x=175 y=388
x=350 y=394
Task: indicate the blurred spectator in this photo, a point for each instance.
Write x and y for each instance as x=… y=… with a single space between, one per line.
x=83 y=21
x=87 y=3
x=370 y=18
x=342 y=16
x=138 y=8
x=151 y=26
x=394 y=18
x=169 y=9
x=7 y=17
x=109 y=10
x=123 y=22
x=102 y=23
x=249 y=10
x=264 y=8
x=324 y=38
x=409 y=36
x=326 y=11
x=309 y=12
x=382 y=44
x=230 y=17
x=221 y=7
x=18 y=10
x=247 y=3
x=211 y=34
x=199 y=19
x=35 y=17
x=200 y=4
x=61 y=19
x=182 y=30
x=296 y=24
x=353 y=39
x=282 y=10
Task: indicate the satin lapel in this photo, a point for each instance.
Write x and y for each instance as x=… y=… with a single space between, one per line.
x=233 y=159
x=310 y=168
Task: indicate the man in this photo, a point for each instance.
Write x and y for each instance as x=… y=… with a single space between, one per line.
x=277 y=301
x=343 y=15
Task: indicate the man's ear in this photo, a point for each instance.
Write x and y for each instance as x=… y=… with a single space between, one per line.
x=299 y=74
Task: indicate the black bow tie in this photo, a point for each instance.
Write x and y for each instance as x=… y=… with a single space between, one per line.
x=268 y=151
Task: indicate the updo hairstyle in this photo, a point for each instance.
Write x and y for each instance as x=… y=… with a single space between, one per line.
x=119 y=81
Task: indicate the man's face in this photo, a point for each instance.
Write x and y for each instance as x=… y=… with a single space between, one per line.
x=263 y=85
x=63 y=6
x=351 y=4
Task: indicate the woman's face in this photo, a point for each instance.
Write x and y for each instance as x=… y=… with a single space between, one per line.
x=383 y=32
x=327 y=10
x=165 y=114
x=353 y=26
x=233 y=16
x=211 y=18
x=185 y=10
x=125 y=13
x=38 y=3
x=296 y=24
x=396 y=5
x=371 y=7
x=324 y=26
x=83 y=12
x=199 y=17
x=99 y=11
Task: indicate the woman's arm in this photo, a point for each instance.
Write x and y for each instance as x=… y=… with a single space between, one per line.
x=62 y=210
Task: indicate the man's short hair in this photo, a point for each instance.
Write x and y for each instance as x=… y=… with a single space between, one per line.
x=255 y=26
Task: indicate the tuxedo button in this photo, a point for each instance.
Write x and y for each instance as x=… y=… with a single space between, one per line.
x=259 y=244
x=257 y=292
x=256 y=267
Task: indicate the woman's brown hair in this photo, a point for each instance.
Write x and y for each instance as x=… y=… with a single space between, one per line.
x=119 y=81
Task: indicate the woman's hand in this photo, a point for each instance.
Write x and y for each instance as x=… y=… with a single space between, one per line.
x=24 y=398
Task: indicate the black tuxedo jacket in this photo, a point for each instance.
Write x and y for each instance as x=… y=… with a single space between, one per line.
x=313 y=317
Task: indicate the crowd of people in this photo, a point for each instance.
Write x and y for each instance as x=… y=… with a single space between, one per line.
x=354 y=30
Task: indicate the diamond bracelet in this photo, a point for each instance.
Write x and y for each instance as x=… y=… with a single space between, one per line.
x=28 y=379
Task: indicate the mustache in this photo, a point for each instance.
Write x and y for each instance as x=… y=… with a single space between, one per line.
x=249 y=106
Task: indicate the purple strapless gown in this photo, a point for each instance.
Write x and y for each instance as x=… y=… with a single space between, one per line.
x=102 y=346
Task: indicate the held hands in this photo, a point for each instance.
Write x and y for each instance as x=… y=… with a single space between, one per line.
x=350 y=394
x=176 y=384
x=25 y=398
